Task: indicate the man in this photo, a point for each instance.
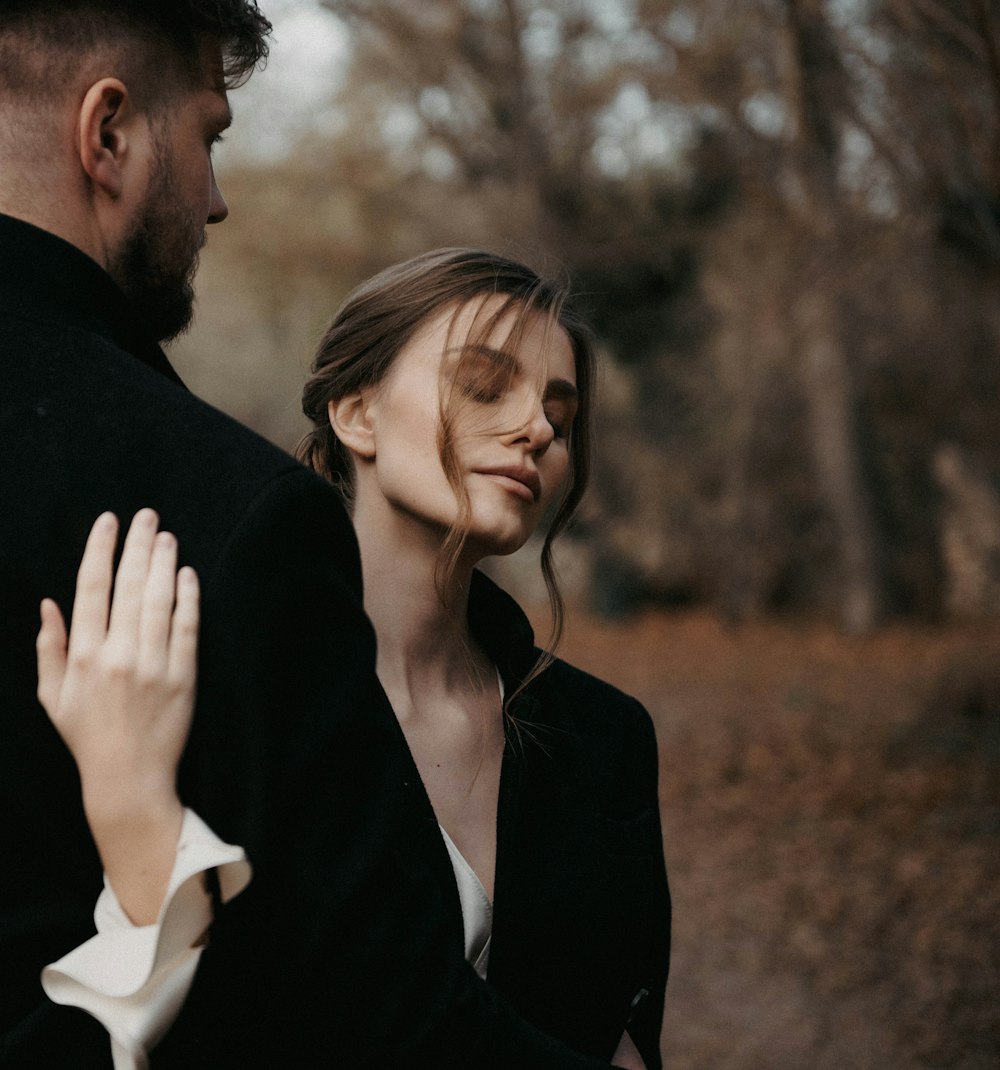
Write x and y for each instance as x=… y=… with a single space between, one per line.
x=338 y=952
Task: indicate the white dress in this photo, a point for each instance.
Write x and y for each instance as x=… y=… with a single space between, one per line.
x=477 y=910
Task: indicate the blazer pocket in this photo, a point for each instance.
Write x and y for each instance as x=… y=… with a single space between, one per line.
x=636 y=835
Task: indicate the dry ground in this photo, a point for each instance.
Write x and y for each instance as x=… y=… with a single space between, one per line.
x=832 y=826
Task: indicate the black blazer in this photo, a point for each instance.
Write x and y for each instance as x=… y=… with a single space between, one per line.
x=341 y=951
x=581 y=922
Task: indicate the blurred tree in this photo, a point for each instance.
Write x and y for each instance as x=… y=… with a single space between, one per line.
x=832 y=114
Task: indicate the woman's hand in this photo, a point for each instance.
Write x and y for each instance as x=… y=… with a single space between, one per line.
x=120 y=692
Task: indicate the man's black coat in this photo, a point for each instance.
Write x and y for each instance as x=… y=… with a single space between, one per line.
x=340 y=952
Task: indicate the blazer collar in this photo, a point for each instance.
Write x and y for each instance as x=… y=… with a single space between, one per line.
x=500 y=624
x=42 y=275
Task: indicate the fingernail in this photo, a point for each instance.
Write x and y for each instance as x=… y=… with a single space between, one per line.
x=106 y=520
x=146 y=518
x=165 y=540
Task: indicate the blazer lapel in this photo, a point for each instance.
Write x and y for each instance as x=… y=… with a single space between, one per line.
x=419 y=832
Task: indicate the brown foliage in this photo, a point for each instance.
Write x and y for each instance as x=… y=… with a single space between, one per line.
x=832 y=825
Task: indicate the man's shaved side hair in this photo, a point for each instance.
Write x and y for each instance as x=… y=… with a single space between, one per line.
x=156 y=47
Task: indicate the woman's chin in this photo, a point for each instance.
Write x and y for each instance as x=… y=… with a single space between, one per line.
x=498 y=542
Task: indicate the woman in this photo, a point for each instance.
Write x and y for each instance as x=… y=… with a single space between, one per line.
x=450 y=402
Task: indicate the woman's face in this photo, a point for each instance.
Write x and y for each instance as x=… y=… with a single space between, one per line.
x=510 y=407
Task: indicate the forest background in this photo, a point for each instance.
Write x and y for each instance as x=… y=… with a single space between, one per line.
x=783 y=219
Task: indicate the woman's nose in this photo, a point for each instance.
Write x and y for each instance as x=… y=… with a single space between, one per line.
x=536 y=432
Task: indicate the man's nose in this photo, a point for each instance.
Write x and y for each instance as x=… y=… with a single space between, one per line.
x=217 y=209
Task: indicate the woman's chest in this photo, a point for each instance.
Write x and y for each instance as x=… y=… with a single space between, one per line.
x=461 y=777
x=572 y=893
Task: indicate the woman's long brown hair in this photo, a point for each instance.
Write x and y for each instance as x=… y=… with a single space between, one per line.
x=377 y=320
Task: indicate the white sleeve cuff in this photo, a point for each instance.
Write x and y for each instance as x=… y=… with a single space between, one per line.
x=134 y=978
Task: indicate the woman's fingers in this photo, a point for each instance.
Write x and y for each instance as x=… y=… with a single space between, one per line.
x=93 y=587
x=130 y=580
x=183 y=656
x=146 y=635
x=157 y=604
x=51 y=651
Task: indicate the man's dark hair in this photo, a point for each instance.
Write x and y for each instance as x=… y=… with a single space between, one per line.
x=39 y=40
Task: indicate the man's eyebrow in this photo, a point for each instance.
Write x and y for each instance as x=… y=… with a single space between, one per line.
x=221 y=109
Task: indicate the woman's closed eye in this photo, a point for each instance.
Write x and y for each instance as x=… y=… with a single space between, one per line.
x=560 y=419
x=485 y=393
x=560 y=404
x=483 y=378
x=487 y=376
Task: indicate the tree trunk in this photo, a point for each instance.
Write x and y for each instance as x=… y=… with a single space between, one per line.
x=818 y=98
x=832 y=414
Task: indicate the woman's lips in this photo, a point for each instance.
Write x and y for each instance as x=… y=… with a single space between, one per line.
x=521 y=481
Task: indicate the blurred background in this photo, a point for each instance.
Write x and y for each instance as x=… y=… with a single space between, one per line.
x=783 y=219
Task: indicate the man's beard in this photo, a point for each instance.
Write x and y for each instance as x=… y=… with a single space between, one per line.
x=158 y=258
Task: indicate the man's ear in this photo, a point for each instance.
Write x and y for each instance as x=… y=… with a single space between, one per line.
x=106 y=129
x=352 y=424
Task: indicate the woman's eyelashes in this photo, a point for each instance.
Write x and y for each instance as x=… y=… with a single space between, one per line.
x=560 y=404
x=491 y=392
x=482 y=393
x=559 y=420
x=484 y=376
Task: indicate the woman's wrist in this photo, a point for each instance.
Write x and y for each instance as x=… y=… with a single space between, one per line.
x=138 y=848
x=116 y=804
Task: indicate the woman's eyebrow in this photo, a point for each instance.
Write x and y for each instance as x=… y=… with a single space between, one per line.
x=498 y=356
x=561 y=389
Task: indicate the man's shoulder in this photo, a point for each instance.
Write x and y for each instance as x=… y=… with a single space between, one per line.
x=188 y=425
x=78 y=377
x=87 y=426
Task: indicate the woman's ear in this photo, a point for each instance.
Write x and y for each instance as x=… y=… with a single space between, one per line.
x=352 y=423
x=106 y=125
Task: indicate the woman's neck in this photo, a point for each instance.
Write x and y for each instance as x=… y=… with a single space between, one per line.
x=439 y=681
x=425 y=648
